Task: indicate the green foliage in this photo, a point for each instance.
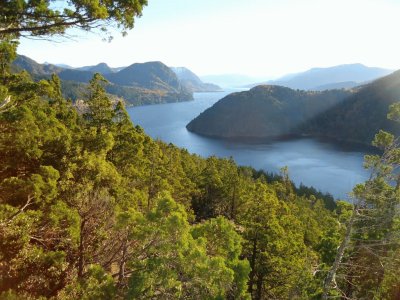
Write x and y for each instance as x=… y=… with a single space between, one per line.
x=92 y=208
x=8 y=52
x=97 y=284
x=40 y=18
x=223 y=241
x=366 y=259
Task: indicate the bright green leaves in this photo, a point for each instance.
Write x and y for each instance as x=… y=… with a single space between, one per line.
x=18 y=125
x=383 y=140
x=8 y=52
x=175 y=265
x=394 y=112
x=273 y=244
x=372 y=235
x=223 y=241
x=103 y=211
x=97 y=285
x=41 y=18
x=99 y=107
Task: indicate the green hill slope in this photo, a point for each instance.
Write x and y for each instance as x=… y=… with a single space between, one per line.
x=263 y=111
x=362 y=115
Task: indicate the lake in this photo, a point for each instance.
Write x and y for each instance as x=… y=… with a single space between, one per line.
x=327 y=166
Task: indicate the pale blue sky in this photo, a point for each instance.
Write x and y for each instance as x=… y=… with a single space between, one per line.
x=253 y=37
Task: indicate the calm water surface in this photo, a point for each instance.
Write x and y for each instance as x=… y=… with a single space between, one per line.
x=328 y=167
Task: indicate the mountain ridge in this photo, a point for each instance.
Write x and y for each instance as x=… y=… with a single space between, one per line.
x=138 y=84
x=362 y=115
x=192 y=82
x=317 y=78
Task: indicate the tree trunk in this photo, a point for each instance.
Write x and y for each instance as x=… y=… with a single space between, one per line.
x=233 y=203
x=81 y=249
x=330 y=278
x=253 y=265
x=259 y=287
x=121 y=273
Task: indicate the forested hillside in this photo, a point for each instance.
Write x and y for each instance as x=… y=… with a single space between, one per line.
x=93 y=208
x=138 y=84
x=362 y=115
x=271 y=111
x=263 y=111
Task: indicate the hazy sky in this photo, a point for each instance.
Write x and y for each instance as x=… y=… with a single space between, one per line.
x=253 y=37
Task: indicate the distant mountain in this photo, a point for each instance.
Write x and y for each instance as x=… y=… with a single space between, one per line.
x=230 y=80
x=316 y=78
x=25 y=63
x=102 y=68
x=337 y=85
x=117 y=69
x=150 y=75
x=76 y=75
x=64 y=66
x=361 y=116
x=354 y=115
x=138 y=84
x=263 y=111
x=192 y=82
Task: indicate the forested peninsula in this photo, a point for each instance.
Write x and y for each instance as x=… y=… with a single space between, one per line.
x=354 y=115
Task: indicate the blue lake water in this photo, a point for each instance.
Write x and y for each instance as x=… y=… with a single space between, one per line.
x=328 y=167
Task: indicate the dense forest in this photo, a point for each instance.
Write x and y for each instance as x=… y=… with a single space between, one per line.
x=271 y=111
x=264 y=111
x=93 y=208
x=361 y=115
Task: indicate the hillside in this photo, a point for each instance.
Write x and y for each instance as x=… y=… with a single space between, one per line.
x=332 y=77
x=348 y=115
x=138 y=84
x=361 y=115
x=192 y=82
x=102 y=68
x=150 y=75
x=337 y=85
x=25 y=63
x=93 y=208
x=263 y=111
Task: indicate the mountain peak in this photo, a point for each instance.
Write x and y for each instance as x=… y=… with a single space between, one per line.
x=192 y=82
x=315 y=78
